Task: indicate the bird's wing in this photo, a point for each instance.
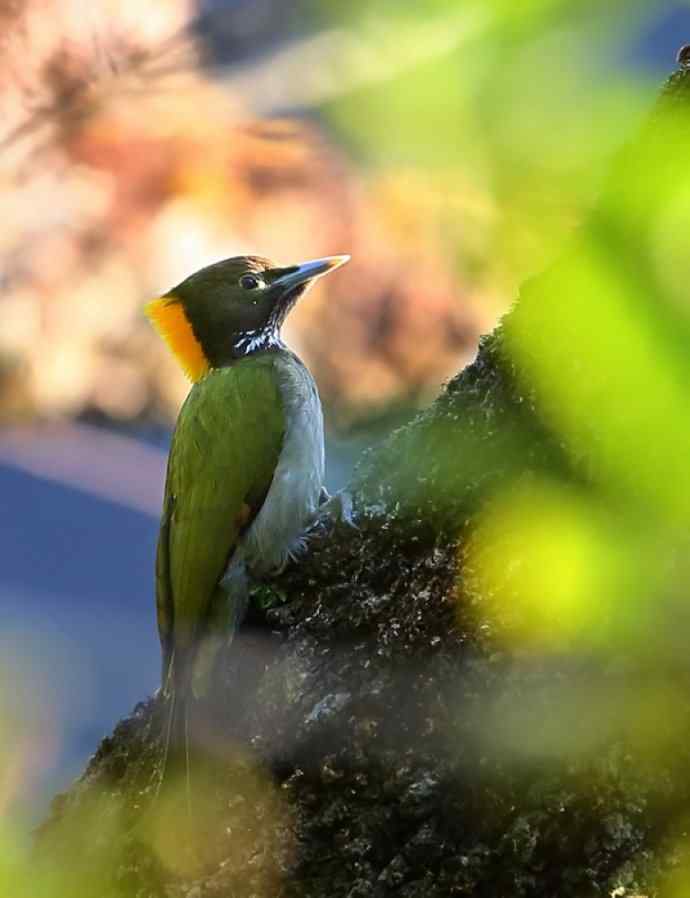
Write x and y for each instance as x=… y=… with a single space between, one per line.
x=224 y=451
x=164 y=603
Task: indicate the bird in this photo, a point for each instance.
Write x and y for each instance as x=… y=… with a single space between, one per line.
x=245 y=473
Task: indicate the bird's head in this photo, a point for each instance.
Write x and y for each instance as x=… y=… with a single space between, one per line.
x=231 y=309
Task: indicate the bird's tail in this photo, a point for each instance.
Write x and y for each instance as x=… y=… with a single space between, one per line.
x=175 y=767
x=175 y=823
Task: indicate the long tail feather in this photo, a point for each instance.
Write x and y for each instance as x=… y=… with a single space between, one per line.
x=176 y=749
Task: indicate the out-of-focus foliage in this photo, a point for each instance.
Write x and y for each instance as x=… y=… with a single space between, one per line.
x=591 y=563
x=556 y=569
x=521 y=101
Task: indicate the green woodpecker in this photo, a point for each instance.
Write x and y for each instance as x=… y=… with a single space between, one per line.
x=246 y=464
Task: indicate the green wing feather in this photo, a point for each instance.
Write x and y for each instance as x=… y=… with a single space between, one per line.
x=224 y=451
x=164 y=604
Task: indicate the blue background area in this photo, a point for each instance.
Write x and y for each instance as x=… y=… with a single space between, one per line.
x=76 y=588
x=659 y=42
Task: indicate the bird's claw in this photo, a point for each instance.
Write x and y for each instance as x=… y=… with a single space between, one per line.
x=336 y=509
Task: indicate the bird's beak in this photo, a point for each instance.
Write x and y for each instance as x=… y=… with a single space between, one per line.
x=296 y=275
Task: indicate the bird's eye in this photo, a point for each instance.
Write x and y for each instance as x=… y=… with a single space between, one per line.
x=250 y=282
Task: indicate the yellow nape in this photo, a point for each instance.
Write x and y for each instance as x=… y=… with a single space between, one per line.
x=168 y=317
